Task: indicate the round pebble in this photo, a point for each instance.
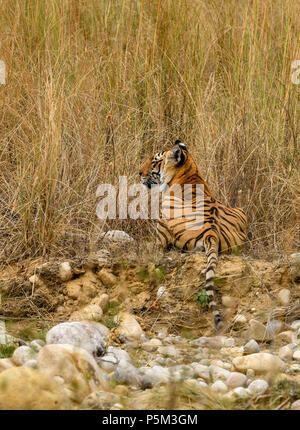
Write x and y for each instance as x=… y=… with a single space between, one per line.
x=259 y=386
x=219 y=387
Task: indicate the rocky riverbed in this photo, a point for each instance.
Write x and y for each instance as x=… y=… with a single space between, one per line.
x=128 y=335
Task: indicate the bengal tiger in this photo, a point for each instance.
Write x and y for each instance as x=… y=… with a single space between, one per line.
x=221 y=229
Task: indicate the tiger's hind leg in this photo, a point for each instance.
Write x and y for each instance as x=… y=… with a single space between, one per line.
x=211 y=244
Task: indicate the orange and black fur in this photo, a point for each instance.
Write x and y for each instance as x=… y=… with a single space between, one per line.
x=221 y=229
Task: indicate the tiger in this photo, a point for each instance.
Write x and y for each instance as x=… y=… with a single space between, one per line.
x=222 y=228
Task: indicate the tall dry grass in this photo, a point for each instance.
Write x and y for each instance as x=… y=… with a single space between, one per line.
x=94 y=86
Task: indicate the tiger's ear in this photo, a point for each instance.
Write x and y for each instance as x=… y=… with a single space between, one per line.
x=178 y=153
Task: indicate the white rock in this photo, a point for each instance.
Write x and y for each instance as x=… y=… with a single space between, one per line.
x=126 y=373
x=65 y=271
x=195 y=384
x=286 y=336
x=201 y=371
x=23 y=354
x=259 y=386
x=284 y=296
x=215 y=342
x=161 y=292
x=36 y=280
x=229 y=396
x=296 y=405
x=229 y=302
x=294 y=326
x=37 y=344
x=75 y=366
x=151 y=345
x=295 y=367
x=219 y=387
x=251 y=347
x=236 y=379
x=102 y=301
x=102 y=329
x=241 y=392
x=31 y=363
x=155 y=375
x=119 y=353
x=274 y=327
x=285 y=353
x=218 y=373
x=296 y=355
x=91 y=312
x=129 y=327
x=116 y=236
x=229 y=342
x=258 y=331
x=82 y=335
x=240 y=320
x=261 y=362
x=108 y=362
x=107 y=278
x=169 y=350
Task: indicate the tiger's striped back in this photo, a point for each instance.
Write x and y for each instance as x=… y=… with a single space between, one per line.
x=215 y=227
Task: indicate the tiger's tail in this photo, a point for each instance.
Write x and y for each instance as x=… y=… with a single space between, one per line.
x=211 y=250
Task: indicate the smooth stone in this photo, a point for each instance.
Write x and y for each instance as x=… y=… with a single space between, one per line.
x=296 y=355
x=23 y=354
x=218 y=373
x=286 y=336
x=79 y=334
x=106 y=277
x=240 y=320
x=76 y=366
x=294 y=326
x=216 y=342
x=259 y=386
x=274 y=327
x=108 y=362
x=116 y=236
x=251 y=347
x=118 y=353
x=91 y=312
x=100 y=400
x=37 y=344
x=201 y=371
x=65 y=271
x=25 y=388
x=168 y=350
x=151 y=345
x=195 y=384
x=241 y=392
x=31 y=363
x=126 y=373
x=128 y=326
x=260 y=362
x=229 y=302
x=258 y=331
x=296 y=405
x=152 y=376
x=236 y=379
x=6 y=339
x=219 y=386
x=284 y=296
x=285 y=353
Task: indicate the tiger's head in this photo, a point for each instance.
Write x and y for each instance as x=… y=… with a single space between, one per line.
x=160 y=168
